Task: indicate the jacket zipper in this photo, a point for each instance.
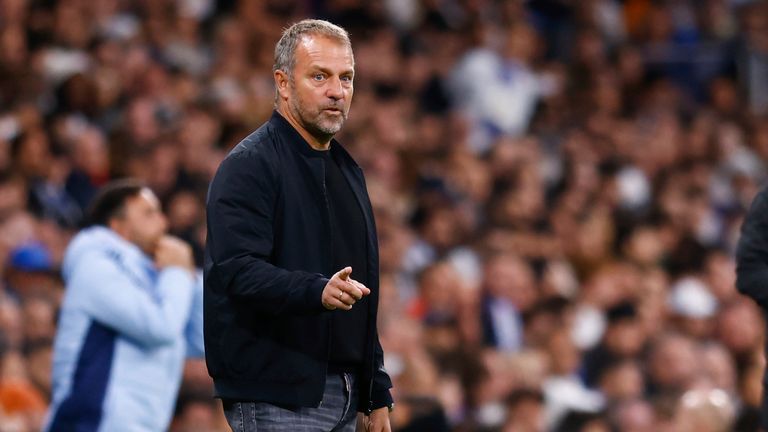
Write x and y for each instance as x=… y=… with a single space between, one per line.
x=330 y=237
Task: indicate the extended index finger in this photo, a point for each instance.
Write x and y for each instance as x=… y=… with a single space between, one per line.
x=344 y=273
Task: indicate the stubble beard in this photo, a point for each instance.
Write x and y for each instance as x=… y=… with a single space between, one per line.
x=317 y=121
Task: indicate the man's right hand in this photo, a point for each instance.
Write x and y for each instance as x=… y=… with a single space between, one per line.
x=172 y=251
x=341 y=292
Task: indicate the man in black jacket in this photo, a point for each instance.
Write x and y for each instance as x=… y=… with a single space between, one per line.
x=291 y=339
x=752 y=266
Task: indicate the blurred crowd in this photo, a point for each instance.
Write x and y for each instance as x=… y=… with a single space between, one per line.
x=558 y=187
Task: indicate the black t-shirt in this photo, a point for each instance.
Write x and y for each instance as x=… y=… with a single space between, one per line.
x=348 y=248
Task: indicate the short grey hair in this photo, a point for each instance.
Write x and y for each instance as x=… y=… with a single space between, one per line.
x=285 y=50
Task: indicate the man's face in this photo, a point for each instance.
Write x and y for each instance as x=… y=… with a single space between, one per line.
x=319 y=92
x=142 y=221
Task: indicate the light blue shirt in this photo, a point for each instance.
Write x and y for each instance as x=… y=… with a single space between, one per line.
x=124 y=331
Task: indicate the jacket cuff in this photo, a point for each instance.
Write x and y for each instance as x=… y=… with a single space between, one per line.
x=315 y=294
x=381 y=399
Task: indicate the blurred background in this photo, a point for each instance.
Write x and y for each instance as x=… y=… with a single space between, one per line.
x=558 y=187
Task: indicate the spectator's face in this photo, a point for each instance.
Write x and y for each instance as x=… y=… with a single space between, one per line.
x=91 y=153
x=39 y=320
x=563 y=353
x=39 y=368
x=440 y=288
x=630 y=65
x=511 y=278
x=635 y=416
x=13 y=45
x=718 y=366
x=319 y=91
x=393 y=242
x=624 y=381
x=625 y=337
x=142 y=222
x=440 y=230
x=13 y=195
x=653 y=300
x=31 y=283
x=739 y=327
x=721 y=276
x=670 y=366
x=141 y=121
x=11 y=322
x=521 y=43
x=442 y=339
x=724 y=95
x=34 y=157
x=526 y=415
x=184 y=211
x=645 y=246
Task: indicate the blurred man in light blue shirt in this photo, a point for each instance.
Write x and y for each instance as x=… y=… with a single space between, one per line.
x=132 y=312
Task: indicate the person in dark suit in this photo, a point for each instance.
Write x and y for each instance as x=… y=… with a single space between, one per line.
x=752 y=267
x=291 y=260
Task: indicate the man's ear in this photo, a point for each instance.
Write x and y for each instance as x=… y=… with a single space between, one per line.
x=282 y=82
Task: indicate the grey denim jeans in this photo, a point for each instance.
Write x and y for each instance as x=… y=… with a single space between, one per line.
x=337 y=412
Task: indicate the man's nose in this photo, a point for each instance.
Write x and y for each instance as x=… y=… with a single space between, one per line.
x=335 y=88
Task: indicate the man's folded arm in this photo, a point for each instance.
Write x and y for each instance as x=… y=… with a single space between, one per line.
x=149 y=315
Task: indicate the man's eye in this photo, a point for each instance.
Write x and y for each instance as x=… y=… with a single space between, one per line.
x=346 y=78
x=318 y=77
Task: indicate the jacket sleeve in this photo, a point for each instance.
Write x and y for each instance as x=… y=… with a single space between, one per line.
x=752 y=251
x=380 y=394
x=113 y=298
x=240 y=211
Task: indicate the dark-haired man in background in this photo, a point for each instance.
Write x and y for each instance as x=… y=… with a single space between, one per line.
x=132 y=312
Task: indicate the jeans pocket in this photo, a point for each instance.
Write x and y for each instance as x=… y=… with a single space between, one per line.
x=233 y=412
